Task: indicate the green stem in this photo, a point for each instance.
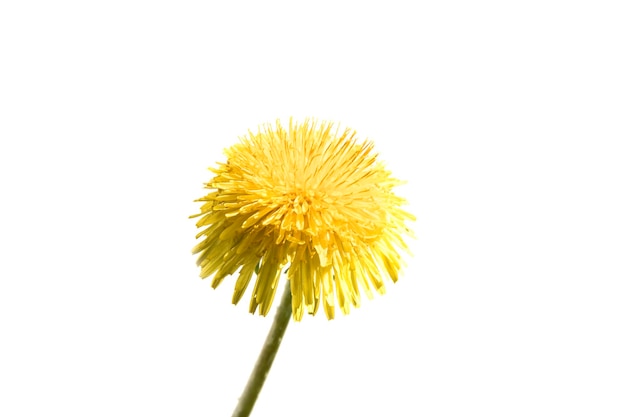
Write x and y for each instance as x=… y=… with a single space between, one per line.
x=266 y=357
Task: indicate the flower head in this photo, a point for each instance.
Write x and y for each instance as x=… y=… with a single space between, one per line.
x=309 y=200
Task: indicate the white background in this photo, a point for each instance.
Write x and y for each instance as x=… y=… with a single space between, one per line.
x=508 y=121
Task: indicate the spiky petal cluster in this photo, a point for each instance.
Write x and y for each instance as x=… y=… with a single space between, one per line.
x=311 y=200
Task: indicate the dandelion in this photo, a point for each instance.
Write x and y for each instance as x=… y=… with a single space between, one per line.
x=311 y=203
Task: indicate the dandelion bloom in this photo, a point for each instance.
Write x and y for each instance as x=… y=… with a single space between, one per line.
x=309 y=200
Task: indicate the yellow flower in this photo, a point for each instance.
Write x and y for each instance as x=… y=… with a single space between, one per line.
x=310 y=200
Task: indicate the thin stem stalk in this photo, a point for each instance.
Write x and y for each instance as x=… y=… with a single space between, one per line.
x=266 y=357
